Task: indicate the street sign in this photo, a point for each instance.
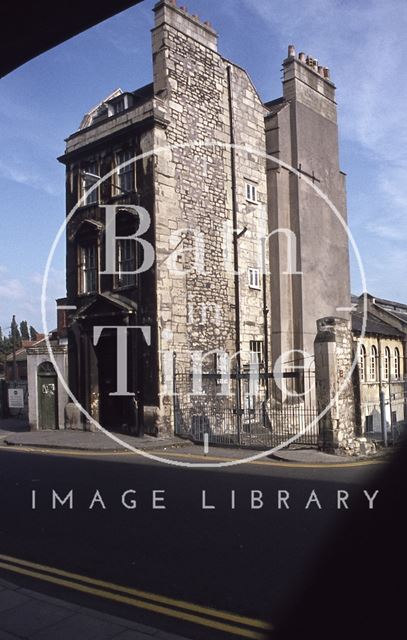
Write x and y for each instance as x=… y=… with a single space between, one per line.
x=16 y=398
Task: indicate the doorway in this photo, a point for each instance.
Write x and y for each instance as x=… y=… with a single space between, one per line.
x=47 y=396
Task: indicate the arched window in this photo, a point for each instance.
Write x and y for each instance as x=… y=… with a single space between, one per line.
x=396 y=363
x=387 y=371
x=373 y=361
x=46 y=368
x=362 y=363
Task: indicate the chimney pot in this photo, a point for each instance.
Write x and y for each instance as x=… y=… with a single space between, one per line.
x=326 y=72
x=291 y=51
x=320 y=70
x=302 y=56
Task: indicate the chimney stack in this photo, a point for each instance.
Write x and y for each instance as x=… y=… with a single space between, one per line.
x=303 y=69
x=291 y=51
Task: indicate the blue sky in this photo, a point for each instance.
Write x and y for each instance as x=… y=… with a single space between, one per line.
x=41 y=103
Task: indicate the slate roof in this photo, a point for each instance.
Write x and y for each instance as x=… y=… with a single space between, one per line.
x=373 y=326
x=274 y=106
x=99 y=112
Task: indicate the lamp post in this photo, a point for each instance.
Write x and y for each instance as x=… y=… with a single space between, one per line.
x=94 y=176
x=13 y=332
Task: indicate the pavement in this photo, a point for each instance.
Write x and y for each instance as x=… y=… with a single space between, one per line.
x=15 y=432
x=35 y=616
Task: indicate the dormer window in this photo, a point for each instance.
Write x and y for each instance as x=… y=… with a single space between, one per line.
x=119 y=103
x=118 y=106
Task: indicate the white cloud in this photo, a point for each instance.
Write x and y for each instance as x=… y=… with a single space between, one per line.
x=364 y=45
x=23 y=174
x=24 y=299
x=11 y=289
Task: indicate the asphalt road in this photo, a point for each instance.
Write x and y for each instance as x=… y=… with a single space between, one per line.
x=247 y=561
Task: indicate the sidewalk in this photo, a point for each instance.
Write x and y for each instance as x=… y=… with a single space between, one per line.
x=12 y=435
x=34 y=616
x=88 y=441
x=99 y=442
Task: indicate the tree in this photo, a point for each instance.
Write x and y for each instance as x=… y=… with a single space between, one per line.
x=24 y=330
x=15 y=333
x=33 y=333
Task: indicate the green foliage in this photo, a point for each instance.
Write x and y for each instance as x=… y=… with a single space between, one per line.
x=20 y=332
x=33 y=333
x=15 y=335
x=24 y=330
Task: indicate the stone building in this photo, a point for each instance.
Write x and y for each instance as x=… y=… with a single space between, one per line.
x=247 y=254
x=381 y=363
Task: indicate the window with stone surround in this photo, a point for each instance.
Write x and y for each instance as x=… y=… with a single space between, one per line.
x=362 y=363
x=251 y=192
x=386 y=363
x=396 y=363
x=373 y=364
x=256 y=351
x=254 y=278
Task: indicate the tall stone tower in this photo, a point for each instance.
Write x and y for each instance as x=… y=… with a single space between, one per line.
x=302 y=131
x=202 y=188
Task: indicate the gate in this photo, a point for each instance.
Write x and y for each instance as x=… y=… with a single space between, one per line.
x=257 y=413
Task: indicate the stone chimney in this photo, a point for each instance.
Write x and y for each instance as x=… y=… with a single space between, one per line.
x=303 y=73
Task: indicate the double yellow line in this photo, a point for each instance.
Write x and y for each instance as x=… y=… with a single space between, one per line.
x=230 y=623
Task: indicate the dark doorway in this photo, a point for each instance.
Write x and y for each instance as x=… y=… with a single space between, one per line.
x=116 y=413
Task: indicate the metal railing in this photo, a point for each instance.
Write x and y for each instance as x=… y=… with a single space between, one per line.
x=280 y=409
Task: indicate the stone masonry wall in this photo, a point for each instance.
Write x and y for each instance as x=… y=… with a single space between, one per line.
x=193 y=192
x=333 y=362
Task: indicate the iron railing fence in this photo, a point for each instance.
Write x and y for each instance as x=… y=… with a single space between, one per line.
x=259 y=415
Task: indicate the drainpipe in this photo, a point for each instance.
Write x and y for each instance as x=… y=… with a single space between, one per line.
x=235 y=247
x=265 y=319
x=234 y=216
